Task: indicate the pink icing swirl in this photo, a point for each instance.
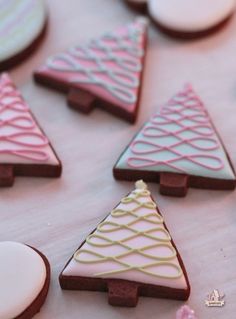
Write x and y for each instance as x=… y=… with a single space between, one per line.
x=185 y=312
x=112 y=62
x=14 y=113
x=186 y=113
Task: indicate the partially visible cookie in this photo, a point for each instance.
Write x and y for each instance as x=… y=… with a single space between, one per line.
x=24 y=148
x=179 y=148
x=105 y=73
x=140 y=5
x=22 y=24
x=185 y=312
x=190 y=18
x=24 y=278
x=130 y=254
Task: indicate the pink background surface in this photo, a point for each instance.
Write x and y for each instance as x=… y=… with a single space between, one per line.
x=55 y=215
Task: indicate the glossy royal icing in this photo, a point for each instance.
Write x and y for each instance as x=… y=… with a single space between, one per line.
x=22 y=277
x=190 y=15
x=21 y=140
x=21 y=22
x=108 y=67
x=132 y=243
x=179 y=138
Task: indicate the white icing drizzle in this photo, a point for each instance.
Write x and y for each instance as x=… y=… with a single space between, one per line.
x=91 y=62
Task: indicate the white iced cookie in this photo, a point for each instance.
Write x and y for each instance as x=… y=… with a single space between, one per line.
x=190 y=16
x=21 y=23
x=23 y=276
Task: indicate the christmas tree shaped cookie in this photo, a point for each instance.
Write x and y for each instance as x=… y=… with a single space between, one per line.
x=130 y=254
x=107 y=72
x=24 y=148
x=179 y=147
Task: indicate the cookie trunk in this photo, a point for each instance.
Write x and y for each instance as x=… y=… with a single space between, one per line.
x=81 y=100
x=6 y=175
x=122 y=294
x=173 y=184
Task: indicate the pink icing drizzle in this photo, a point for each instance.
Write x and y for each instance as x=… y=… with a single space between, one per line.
x=185 y=312
x=27 y=141
x=112 y=62
x=174 y=112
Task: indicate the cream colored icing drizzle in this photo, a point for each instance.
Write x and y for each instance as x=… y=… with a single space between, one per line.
x=106 y=227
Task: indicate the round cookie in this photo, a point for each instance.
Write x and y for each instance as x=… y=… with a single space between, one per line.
x=22 y=25
x=190 y=18
x=24 y=278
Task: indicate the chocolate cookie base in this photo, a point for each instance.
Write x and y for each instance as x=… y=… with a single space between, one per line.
x=173 y=184
x=84 y=101
x=141 y=7
x=124 y=293
x=8 y=172
x=36 y=305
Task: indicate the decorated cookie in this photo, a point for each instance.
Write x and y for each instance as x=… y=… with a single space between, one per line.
x=185 y=312
x=22 y=24
x=24 y=148
x=179 y=147
x=130 y=254
x=189 y=18
x=24 y=278
x=107 y=72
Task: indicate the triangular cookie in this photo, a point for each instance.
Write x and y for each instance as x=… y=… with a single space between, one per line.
x=24 y=148
x=179 y=147
x=130 y=254
x=107 y=72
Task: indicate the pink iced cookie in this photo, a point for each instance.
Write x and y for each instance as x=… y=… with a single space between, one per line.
x=24 y=148
x=185 y=312
x=107 y=72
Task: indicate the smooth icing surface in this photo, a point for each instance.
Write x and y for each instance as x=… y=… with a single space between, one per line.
x=20 y=24
x=190 y=15
x=21 y=140
x=180 y=138
x=22 y=277
x=109 y=67
x=132 y=243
